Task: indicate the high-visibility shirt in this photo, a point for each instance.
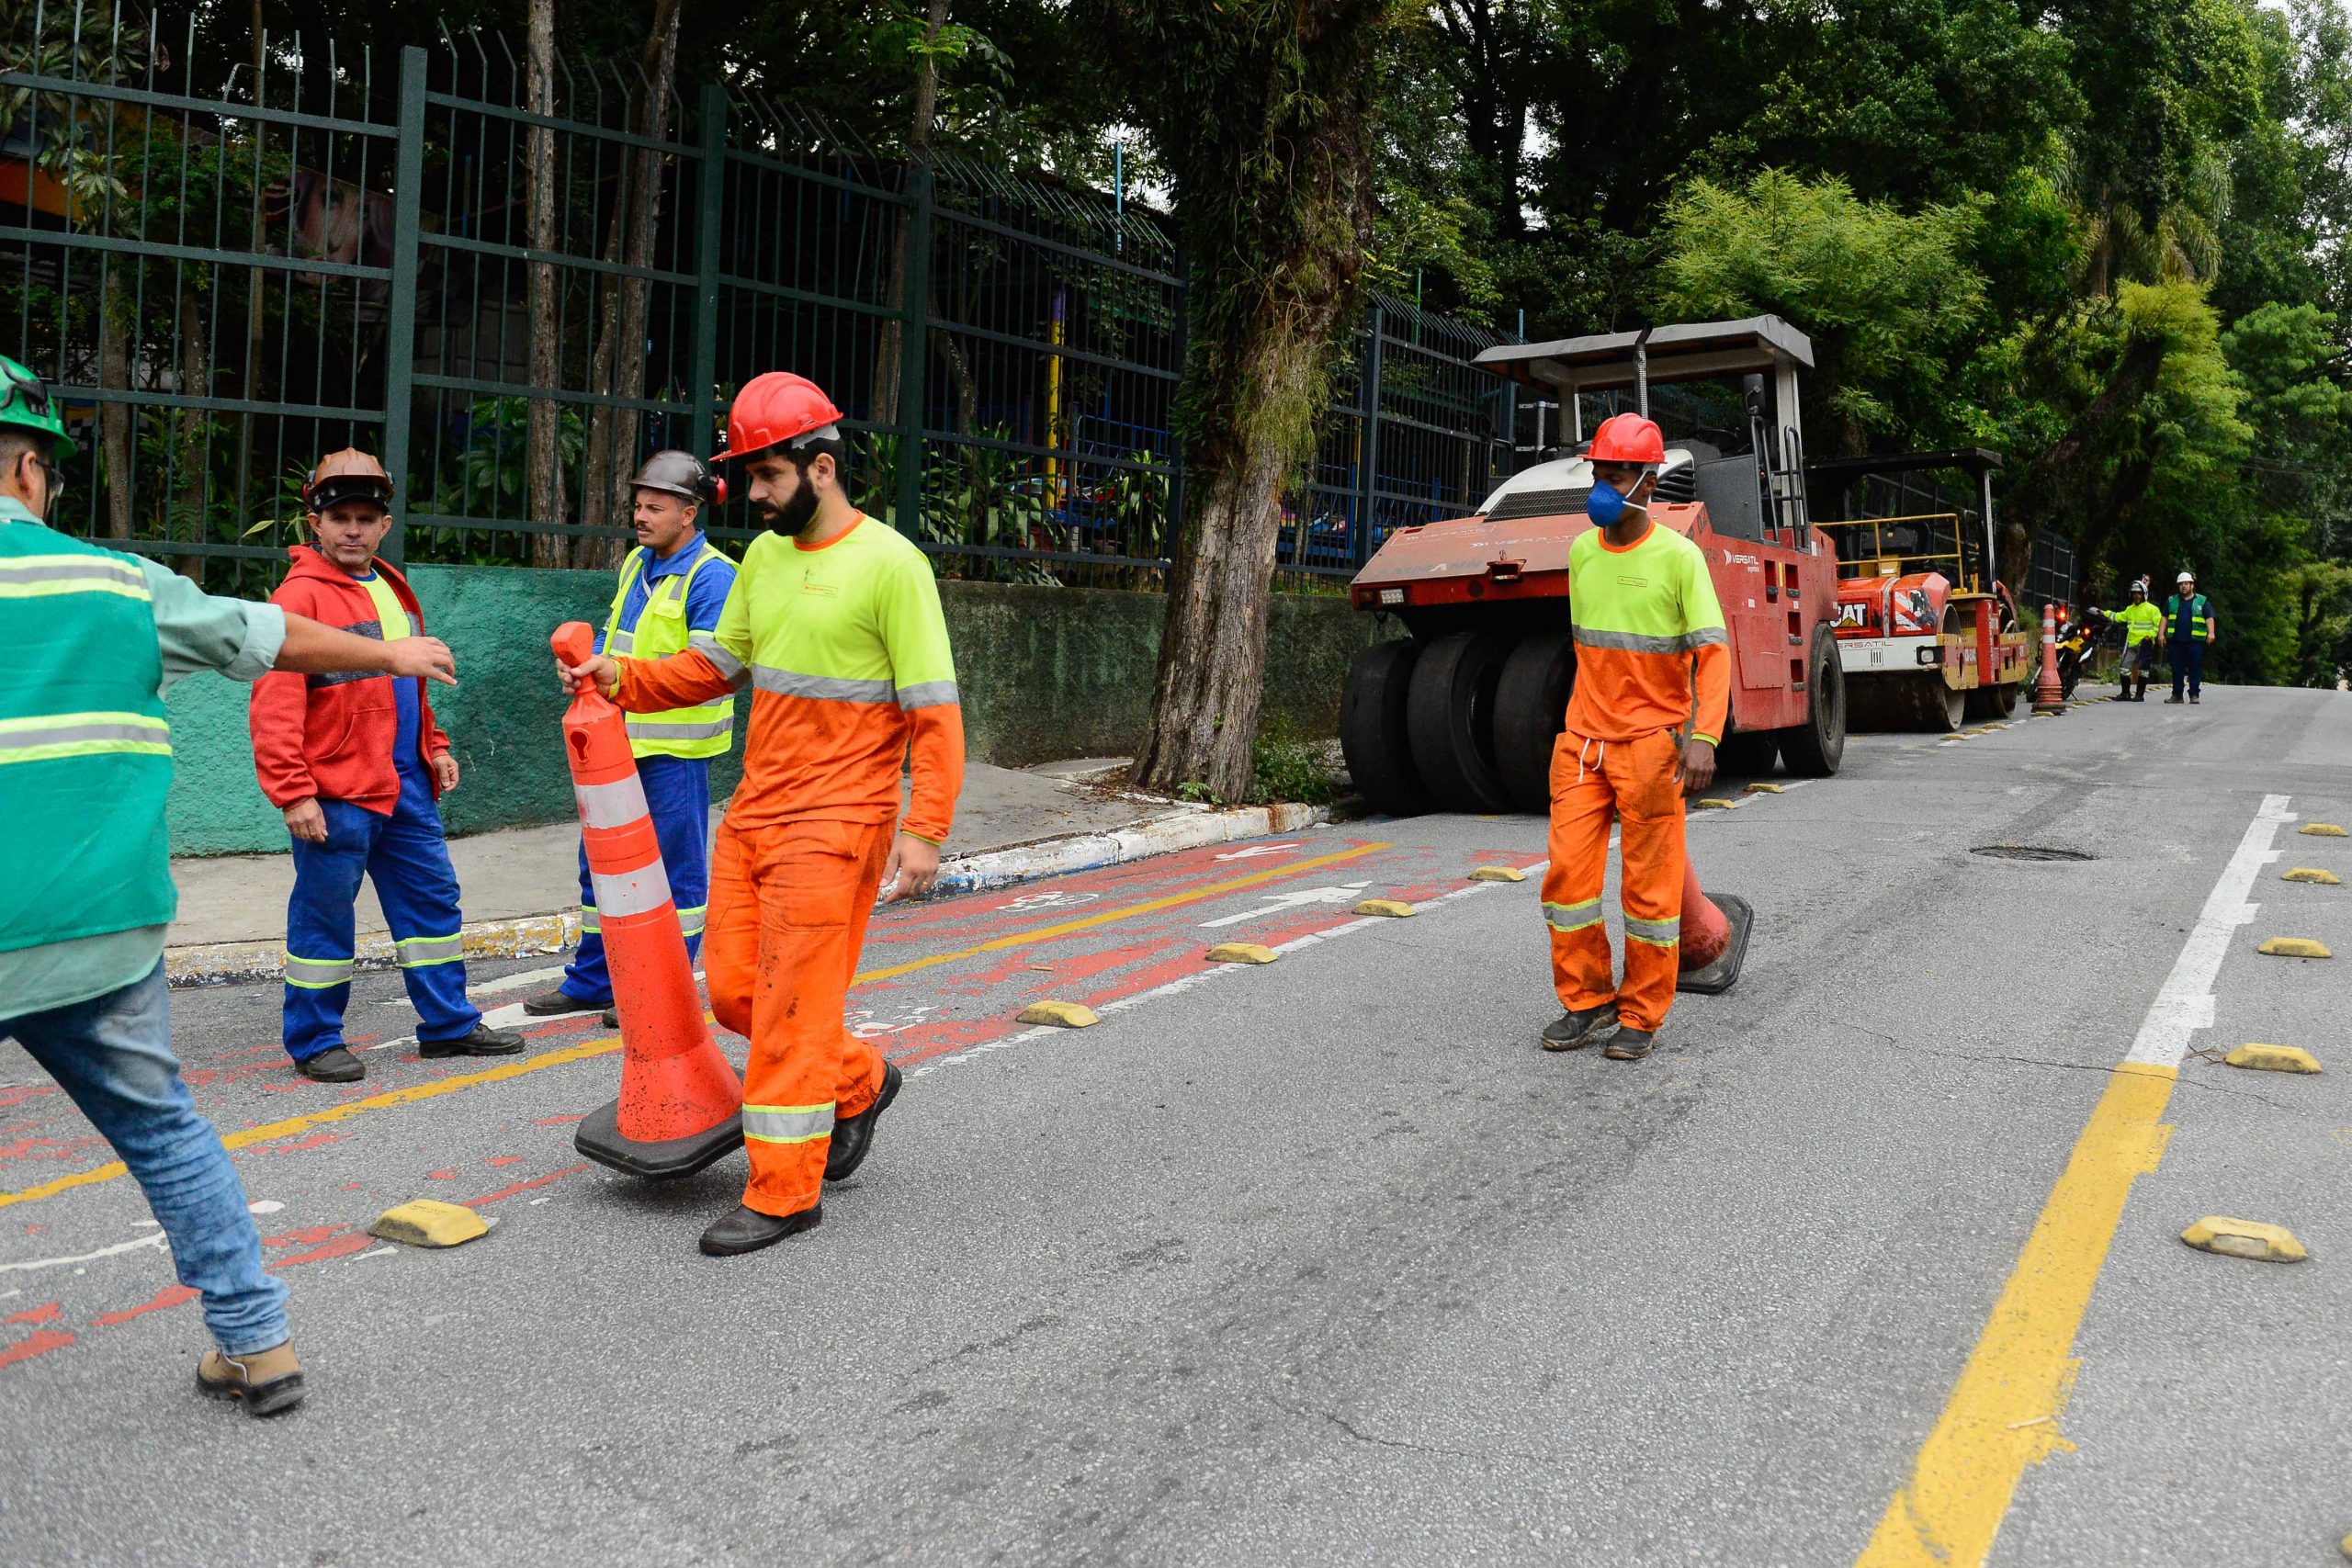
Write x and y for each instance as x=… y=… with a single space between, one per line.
x=2142 y=623
x=846 y=649
x=85 y=888
x=661 y=608
x=1649 y=634
x=2190 y=621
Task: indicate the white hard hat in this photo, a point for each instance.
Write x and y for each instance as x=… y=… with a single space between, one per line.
x=2185 y=576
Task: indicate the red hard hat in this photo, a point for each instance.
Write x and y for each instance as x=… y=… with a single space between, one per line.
x=775 y=406
x=1628 y=438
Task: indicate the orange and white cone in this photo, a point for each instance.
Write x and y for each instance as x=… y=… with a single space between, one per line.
x=680 y=1105
x=1715 y=937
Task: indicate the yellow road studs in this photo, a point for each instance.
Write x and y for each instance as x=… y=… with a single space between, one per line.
x=2321 y=830
x=1760 y=788
x=1713 y=803
x=428 y=1222
x=2245 y=1238
x=1394 y=908
x=1242 y=953
x=2312 y=875
x=2273 y=1059
x=1065 y=1015
x=2295 y=947
x=1497 y=873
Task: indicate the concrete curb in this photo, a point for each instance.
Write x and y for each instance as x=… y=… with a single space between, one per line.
x=551 y=935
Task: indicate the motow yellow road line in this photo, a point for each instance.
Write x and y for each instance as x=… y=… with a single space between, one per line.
x=2004 y=1413
x=272 y=1131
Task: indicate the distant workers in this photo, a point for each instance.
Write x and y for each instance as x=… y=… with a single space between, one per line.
x=836 y=624
x=1648 y=634
x=2189 y=631
x=358 y=766
x=86 y=878
x=672 y=587
x=2143 y=627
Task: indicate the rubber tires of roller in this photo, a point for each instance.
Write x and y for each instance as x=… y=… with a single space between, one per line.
x=1943 y=708
x=1449 y=716
x=1531 y=709
x=1371 y=729
x=1814 y=748
x=1993 y=702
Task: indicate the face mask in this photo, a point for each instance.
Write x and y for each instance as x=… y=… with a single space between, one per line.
x=1605 y=504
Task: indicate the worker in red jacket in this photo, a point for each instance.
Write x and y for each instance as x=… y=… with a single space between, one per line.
x=358 y=765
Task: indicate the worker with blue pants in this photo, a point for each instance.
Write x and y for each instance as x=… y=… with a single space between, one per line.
x=672 y=590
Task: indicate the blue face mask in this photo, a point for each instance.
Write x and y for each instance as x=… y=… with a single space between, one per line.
x=1605 y=504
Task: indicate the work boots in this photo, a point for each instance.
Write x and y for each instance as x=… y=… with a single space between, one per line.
x=333 y=1065
x=555 y=1003
x=1574 y=1031
x=853 y=1137
x=266 y=1381
x=1631 y=1045
x=748 y=1230
x=483 y=1042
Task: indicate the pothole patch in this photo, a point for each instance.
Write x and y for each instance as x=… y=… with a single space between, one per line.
x=2028 y=852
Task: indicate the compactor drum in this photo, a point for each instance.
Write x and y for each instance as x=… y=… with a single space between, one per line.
x=1460 y=712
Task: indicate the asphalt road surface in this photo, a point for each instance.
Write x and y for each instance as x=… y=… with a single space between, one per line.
x=1877 y=1260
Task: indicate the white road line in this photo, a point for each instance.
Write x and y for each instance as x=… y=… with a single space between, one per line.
x=506 y=983
x=154 y=1240
x=1186 y=982
x=2184 y=1003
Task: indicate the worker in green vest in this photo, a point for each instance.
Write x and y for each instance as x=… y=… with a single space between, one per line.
x=2143 y=630
x=672 y=587
x=2189 y=630
x=86 y=883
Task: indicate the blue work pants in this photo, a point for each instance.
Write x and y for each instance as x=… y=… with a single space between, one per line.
x=2187 y=665
x=407 y=857
x=112 y=1056
x=677 y=795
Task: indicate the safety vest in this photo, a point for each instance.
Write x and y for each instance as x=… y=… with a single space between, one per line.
x=86 y=751
x=662 y=630
x=2142 y=623
x=2199 y=611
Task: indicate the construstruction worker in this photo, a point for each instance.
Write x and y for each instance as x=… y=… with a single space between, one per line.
x=835 y=622
x=1648 y=634
x=2189 y=630
x=2143 y=626
x=86 y=880
x=672 y=587
x=358 y=765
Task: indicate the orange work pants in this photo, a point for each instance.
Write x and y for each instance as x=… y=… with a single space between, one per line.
x=789 y=908
x=1635 y=782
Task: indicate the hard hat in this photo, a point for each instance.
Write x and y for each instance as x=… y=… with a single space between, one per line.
x=2184 y=577
x=25 y=402
x=681 y=474
x=778 y=406
x=2139 y=586
x=1628 y=438
x=347 y=475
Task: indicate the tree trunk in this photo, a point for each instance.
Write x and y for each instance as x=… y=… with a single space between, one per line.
x=187 y=519
x=114 y=419
x=543 y=443
x=888 y=342
x=1274 y=203
x=620 y=358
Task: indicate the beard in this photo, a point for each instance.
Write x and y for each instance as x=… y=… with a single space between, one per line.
x=794 y=516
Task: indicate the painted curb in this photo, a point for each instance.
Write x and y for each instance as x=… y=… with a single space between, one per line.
x=1189 y=827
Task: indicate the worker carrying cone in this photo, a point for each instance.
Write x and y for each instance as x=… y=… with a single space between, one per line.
x=1649 y=631
x=834 y=621
x=680 y=1103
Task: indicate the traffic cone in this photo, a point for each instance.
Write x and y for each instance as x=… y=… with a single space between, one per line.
x=2049 y=692
x=682 y=1105
x=1715 y=937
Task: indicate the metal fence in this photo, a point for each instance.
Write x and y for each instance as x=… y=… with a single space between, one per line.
x=513 y=289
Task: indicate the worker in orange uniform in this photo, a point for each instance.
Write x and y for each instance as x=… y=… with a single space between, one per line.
x=835 y=622
x=1648 y=633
